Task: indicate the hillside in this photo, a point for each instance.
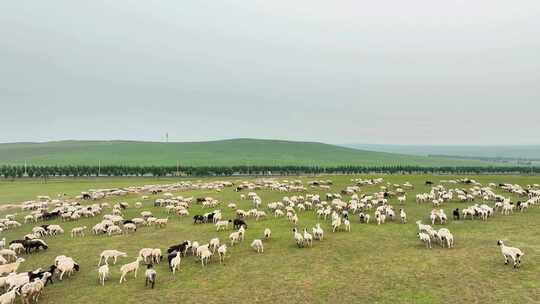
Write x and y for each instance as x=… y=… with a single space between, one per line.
x=223 y=152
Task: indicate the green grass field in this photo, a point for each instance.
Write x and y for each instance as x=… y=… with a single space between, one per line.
x=370 y=264
x=213 y=153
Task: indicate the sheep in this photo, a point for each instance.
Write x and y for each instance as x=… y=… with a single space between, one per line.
x=424 y=237
x=113 y=229
x=115 y=254
x=150 y=276
x=267 y=233
x=161 y=222
x=381 y=217
x=67 y=265
x=78 y=231
x=298 y=238
x=103 y=273
x=9 y=254
x=156 y=255
x=31 y=291
x=403 y=216
x=318 y=232
x=15 y=281
x=35 y=244
x=422 y=227
x=336 y=224
x=364 y=217
x=3 y=243
x=201 y=248
x=55 y=230
x=214 y=244
x=128 y=268
x=9 y=297
x=130 y=227
x=347 y=225
x=205 y=256
x=510 y=252
x=222 y=252
x=257 y=245
x=9 y=268
x=222 y=224
x=18 y=248
x=308 y=238
x=242 y=232
x=174 y=264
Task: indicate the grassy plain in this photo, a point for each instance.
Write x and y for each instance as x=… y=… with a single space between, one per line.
x=370 y=264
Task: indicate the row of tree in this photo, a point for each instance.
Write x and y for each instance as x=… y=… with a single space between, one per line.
x=15 y=171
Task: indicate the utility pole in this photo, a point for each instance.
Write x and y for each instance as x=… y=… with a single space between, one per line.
x=167 y=137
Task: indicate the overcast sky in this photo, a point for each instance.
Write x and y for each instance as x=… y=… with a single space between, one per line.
x=390 y=72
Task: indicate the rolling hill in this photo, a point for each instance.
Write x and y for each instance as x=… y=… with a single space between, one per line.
x=210 y=153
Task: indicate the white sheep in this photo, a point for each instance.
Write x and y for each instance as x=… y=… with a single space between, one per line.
x=308 y=238
x=66 y=265
x=205 y=256
x=403 y=216
x=257 y=245
x=115 y=254
x=128 y=268
x=511 y=252
x=222 y=251
x=103 y=274
x=214 y=244
x=424 y=237
x=298 y=238
x=9 y=297
x=267 y=233
x=175 y=263
x=78 y=231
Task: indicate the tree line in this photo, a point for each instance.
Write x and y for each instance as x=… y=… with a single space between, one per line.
x=19 y=171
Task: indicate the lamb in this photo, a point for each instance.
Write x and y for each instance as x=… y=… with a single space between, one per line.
x=106 y=254
x=267 y=233
x=3 y=243
x=103 y=273
x=257 y=245
x=298 y=238
x=424 y=237
x=31 y=291
x=422 y=227
x=128 y=268
x=78 y=231
x=9 y=268
x=510 y=252
x=174 y=263
x=364 y=217
x=150 y=276
x=161 y=223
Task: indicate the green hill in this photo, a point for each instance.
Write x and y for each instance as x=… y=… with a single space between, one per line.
x=223 y=152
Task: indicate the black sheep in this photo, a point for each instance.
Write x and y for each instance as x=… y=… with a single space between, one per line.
x=198 y=219
x=239 y=223
x=456 y=214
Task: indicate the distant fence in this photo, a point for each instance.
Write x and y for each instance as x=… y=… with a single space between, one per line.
x=15 y=171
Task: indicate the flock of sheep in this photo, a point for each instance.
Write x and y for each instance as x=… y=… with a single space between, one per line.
x=331 y=207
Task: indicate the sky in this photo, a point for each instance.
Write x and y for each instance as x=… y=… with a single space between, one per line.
x=380 y=72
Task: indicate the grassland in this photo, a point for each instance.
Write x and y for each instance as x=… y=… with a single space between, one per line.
x=371 y=264
x=212 y=153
